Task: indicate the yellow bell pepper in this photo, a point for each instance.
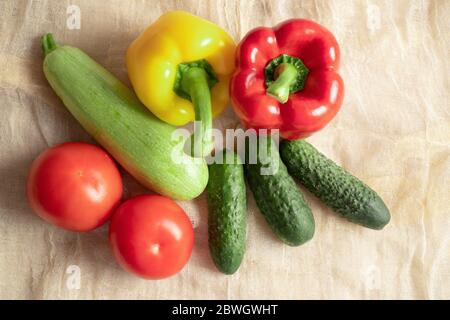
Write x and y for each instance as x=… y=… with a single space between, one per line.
x=180 y=68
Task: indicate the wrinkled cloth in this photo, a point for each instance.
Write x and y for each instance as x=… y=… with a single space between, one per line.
x=393 y=132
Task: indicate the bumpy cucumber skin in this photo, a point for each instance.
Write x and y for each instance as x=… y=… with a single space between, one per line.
x=227 y=213
x=279 y=199
x=343 y=192
x=113 y=115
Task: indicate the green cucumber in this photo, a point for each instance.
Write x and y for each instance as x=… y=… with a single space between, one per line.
x=277 y=195
x=343 y=192
x=227 y=212
x=114 y=116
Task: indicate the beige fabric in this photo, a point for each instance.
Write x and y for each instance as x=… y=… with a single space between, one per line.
x=393 y=132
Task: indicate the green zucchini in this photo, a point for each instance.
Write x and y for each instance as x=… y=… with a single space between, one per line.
x=276 y=193
x=114 y=116
x=340 y=190
x=227 y=212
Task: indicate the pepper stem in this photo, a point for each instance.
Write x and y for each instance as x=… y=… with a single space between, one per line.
x=195 y=83
x=286 y=76
x=48 y=44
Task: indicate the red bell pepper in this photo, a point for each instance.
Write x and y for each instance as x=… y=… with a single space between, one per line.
x=287 y=78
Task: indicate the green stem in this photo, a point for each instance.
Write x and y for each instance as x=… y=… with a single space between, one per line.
x=195 y=83
x=280 y=88
x=48 y=43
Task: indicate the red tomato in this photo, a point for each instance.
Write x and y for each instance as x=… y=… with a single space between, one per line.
x=151 y=236
x=75 y=186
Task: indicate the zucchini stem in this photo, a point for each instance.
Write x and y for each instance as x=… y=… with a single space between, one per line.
x=48 y=44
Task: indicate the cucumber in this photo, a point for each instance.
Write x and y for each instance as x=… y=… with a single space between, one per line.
x=340 y=190
x=277 y=195
x=116 y=119
x=227 y=212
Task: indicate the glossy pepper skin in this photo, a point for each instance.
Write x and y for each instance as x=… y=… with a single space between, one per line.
x=177 y=39
x=309 y=99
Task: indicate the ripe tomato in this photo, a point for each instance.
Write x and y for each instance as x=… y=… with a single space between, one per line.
x=74 y=185
x=151 y=236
